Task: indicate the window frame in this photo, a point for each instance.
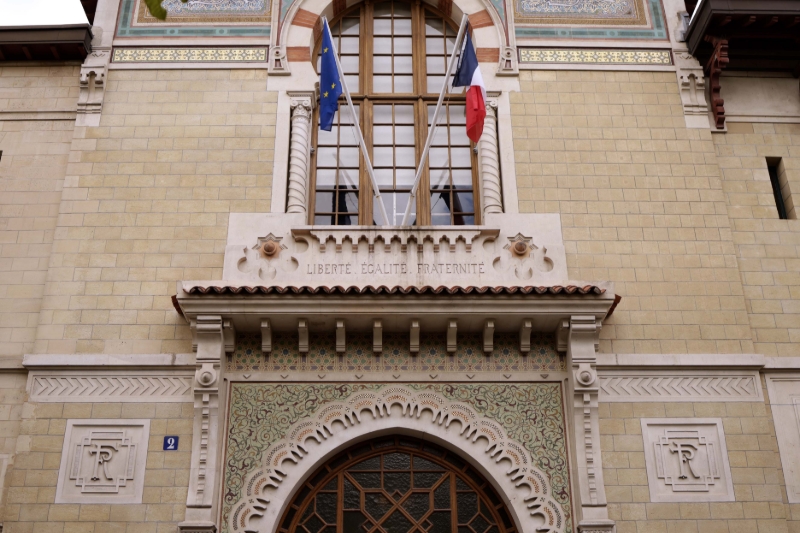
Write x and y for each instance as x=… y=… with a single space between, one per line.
x=365 y=99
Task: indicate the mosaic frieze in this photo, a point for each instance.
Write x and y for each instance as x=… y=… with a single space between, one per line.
x=396 y=356
x=530 y=413
x=196 y=18
x=590 y=19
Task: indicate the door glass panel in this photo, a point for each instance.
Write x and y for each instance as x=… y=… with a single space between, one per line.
x=436 y=498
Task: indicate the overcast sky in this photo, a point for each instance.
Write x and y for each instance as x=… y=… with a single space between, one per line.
x=41 y=13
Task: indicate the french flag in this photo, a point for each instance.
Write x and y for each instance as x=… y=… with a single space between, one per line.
x=468 y=74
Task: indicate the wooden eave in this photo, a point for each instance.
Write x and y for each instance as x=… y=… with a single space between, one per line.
x=756 y=31
x=45 y=43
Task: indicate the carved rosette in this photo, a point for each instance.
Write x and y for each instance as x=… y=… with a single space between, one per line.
x=490 y=161
x=511 y=458
x=299 y=151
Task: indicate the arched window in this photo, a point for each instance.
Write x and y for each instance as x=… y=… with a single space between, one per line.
x=394 y=56
x=396 y=485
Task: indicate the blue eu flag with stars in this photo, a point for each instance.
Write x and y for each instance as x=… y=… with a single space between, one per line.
x=330 y=86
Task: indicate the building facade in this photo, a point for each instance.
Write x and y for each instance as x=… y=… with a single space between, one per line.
x=591 y=324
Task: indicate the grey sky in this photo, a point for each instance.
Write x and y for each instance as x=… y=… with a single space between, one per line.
x=41 y=13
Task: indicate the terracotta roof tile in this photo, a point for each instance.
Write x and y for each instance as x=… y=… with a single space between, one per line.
x=262 y=289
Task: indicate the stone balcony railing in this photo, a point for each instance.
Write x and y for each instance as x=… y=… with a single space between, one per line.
x=279 y=250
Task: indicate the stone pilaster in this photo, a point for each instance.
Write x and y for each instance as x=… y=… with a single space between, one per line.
x=489 y=152
x=299 y=151
x=206 y=439
x=92 y=87
x=582 y=342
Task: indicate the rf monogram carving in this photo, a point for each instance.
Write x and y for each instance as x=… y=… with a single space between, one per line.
x=687 y=460
x=103 y=461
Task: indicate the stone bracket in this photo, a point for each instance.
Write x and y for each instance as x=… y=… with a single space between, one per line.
x=92 y=87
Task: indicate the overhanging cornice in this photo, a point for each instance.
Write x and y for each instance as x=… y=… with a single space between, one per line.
x=396 y=309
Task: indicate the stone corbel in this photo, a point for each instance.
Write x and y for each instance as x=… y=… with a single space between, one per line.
x=92 y=87
x=206 y=439
x=278 y=63
x=508 y=62
x=582 y=338
x=302 y=104
x=692 y=85
x=489 y=160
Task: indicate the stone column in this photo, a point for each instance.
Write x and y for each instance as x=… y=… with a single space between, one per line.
x=582 y=360
x=205 y=475
x=490 y=161
x=299 y=151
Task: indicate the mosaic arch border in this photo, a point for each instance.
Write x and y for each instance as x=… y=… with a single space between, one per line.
x=426 y=414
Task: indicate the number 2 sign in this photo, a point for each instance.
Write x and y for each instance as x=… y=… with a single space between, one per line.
x=170 y=443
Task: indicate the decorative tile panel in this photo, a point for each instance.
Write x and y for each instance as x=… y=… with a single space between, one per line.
x=396 y=356
x=216 y=18
x=597 y=57
x=687 y=460
x=530 y=413
x=189 y=55
x=590 y=19
x=103 y=461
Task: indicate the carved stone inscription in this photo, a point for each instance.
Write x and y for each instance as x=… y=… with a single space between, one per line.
x=686 y=460
x=103 y=461
x=280 y=250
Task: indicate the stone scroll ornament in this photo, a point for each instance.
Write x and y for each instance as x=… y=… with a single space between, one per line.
x=510 y=458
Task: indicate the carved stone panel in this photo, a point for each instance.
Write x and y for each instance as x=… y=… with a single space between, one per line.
x=103 y=461
x=687 y=460
x=509 y=250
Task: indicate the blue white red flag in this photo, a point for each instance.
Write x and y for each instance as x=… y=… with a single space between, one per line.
x=330 y=86
x=468 y=74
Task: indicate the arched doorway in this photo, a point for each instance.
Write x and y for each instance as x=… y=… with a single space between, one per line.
x=396 y=485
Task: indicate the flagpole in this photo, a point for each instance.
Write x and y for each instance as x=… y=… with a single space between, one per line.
x=432 y=129
x=375 y=190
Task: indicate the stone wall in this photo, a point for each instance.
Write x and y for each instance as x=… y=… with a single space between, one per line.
x=768 y=249
x=146 y=203
x=31 y=495
x=35 y=148
x=641 y=204
x=754 y=461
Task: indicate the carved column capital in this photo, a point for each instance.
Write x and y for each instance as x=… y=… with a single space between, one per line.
x=302 y=104
x=208 y=385
x=582 y=333
x=489 y=159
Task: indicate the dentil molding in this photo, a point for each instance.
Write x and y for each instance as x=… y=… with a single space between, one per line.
x=268 y=489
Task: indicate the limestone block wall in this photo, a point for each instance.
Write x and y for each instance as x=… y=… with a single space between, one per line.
x=146 y=203
x=641 y=203
x=37 y=115
x=32 y=488
x=768 y=249
x=755 y=468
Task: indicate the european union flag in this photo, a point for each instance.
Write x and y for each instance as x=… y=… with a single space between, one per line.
x=330 y=86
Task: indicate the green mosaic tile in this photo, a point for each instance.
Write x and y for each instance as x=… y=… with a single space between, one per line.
x=531 y=413
x=396 y=357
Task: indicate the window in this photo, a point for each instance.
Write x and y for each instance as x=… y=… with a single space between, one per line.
x=396 y=485
x=780 y=188
x=394 y=57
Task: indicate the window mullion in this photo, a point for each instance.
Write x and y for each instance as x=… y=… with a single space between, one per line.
x=423 y=192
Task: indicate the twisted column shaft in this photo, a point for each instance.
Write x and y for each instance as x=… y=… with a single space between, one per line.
x=490 y=162
x=299 y=156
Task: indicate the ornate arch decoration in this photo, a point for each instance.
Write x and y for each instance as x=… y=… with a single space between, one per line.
x=505 y=463
x=299 y=28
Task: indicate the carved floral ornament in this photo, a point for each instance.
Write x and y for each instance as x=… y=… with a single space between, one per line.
x=337 y=424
